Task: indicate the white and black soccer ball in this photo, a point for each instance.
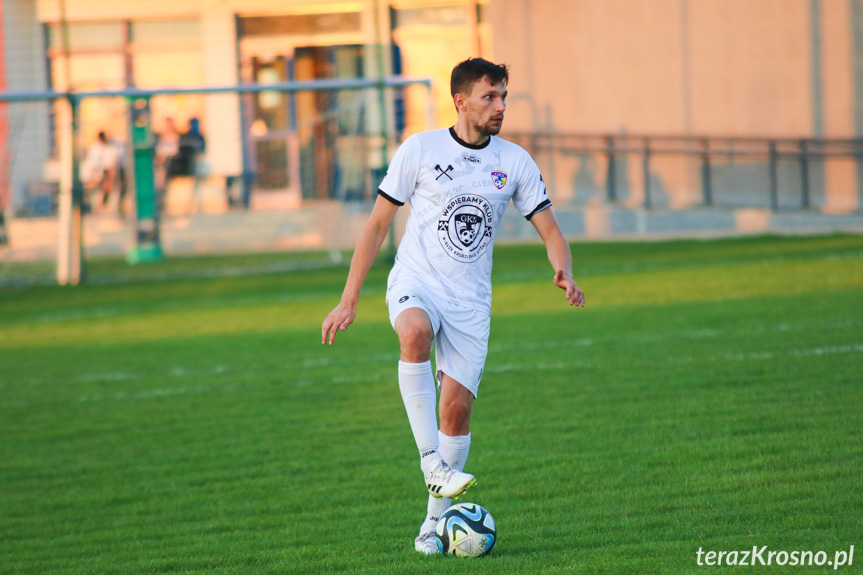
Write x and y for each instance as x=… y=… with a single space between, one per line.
x=467 y=530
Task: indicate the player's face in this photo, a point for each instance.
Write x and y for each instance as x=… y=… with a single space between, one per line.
x=486 y=104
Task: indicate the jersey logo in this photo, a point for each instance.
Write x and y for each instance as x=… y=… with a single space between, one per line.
x=499 y=179
x=465 y=229
x=443 y=172
x=404 y=298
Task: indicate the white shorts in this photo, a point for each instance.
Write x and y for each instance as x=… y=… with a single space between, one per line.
x=461 y=333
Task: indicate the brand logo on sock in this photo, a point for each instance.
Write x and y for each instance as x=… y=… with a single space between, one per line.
x=428 y=453
x=404 y=299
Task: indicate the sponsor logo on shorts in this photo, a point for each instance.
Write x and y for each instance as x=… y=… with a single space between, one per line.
x=465 y=227
x=405 y=298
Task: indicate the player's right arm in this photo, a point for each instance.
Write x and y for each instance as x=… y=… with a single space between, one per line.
x=367 y=250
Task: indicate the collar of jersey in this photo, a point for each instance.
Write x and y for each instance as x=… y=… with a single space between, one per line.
x=465 y=144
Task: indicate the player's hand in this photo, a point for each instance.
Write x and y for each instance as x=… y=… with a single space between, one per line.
x=337 y=320
x=573 y=293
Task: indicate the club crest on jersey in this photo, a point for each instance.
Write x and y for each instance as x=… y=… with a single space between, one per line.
x=465 y=227
x=499 y=179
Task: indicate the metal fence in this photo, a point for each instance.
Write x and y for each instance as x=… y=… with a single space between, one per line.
x=306 y=159
x=729 y=172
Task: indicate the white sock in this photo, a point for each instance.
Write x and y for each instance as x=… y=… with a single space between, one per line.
x=454 y=451
x=416 y=383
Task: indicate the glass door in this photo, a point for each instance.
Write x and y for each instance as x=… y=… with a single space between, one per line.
x=270 y=128
x=292 y=141
x=329 y=123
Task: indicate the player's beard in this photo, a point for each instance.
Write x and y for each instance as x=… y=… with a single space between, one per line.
x=487 y=128
x=490 y=128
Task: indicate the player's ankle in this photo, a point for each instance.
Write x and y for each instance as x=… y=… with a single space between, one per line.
x=428 y=525
x=429 y=460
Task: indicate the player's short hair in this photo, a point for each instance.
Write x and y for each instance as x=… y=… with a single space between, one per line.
x=472 y=70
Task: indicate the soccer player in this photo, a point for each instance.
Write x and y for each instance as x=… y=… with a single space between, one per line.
x=458 y=182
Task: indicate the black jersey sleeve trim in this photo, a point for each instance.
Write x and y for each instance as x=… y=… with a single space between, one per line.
x=544 y=204
x=391 y=199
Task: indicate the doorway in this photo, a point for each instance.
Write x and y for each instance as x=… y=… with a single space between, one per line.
x=297 y=142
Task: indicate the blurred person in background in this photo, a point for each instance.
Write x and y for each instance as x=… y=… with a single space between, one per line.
x=189 y=160
x=193 y=144
x=121 y=182
x=167 y=146
x=101 y=166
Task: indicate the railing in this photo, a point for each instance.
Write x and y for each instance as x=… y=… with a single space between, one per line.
x=706 y=150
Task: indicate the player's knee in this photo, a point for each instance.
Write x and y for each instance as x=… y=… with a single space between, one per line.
x=415 y=342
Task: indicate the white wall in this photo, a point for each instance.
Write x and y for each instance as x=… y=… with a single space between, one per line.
x=224 y=148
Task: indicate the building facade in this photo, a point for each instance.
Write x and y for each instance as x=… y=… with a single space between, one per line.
x=738 y=68
x=778 y=68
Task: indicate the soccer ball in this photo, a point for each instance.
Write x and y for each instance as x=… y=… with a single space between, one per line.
x=467 y=530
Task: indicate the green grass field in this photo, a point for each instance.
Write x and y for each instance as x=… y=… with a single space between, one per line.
x=710 y=396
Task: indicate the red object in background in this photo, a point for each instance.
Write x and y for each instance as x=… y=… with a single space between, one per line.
x=4 y=124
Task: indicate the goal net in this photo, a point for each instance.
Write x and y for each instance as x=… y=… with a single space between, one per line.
x=254 y=177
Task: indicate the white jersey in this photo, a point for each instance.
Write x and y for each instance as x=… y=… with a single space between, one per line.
x=457 y=194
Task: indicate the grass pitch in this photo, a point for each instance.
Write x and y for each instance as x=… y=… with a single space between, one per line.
x=710 y=396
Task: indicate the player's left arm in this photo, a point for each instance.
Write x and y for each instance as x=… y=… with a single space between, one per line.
x=559 y=255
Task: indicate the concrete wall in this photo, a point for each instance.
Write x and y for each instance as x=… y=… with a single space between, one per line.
x=730 y=67
x=778 y=68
